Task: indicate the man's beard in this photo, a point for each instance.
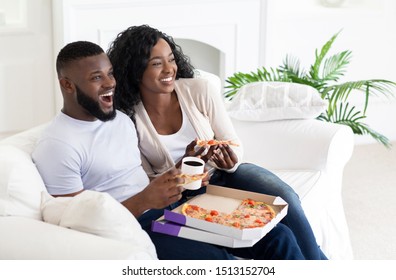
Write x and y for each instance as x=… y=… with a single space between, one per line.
x=92 y=106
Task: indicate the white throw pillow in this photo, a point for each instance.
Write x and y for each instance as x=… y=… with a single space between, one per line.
x=269 y=101
x=52 y=208
x=20 y=184
x=100 y=214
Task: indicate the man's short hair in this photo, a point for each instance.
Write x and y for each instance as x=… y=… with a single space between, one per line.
x=74 y=51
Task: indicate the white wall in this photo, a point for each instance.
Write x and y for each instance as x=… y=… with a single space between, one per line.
x=299 y=27
x=28 y=94
x=26 y=64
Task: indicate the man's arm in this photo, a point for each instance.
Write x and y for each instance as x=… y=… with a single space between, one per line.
x=59 y=167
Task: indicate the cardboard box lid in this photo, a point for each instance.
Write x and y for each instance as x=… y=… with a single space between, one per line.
x=227 y=200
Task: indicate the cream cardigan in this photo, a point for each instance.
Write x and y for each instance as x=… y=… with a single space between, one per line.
x=202 y=103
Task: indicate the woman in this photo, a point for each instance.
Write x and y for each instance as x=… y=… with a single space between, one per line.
x=156 y=88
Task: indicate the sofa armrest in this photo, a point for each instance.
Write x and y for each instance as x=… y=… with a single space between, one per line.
x=295 y=144
x=32 y=239
x=301 y=147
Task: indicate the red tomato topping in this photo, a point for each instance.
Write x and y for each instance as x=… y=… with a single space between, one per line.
x=208 y=219
x=214 y=213
x=211 y=142
x=236 y=224
x=195 y=207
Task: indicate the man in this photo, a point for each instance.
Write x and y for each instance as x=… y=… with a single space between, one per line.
x=90 y=145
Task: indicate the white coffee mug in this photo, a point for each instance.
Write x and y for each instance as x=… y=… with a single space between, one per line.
x=192 y=166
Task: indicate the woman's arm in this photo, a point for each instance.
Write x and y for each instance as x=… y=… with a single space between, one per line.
x=211 y=104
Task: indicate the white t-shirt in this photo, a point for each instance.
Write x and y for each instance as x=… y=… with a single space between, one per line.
x=176 y=143
x=103 y=156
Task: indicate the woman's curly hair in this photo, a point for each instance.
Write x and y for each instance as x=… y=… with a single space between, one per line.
x=129 y=53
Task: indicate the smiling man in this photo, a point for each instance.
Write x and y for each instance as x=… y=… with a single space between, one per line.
x=91 y=146
x=87 y=78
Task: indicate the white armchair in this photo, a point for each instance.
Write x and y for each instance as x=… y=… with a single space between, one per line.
x=310 y=156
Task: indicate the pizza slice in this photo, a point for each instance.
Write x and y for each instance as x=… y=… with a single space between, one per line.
x=189 y=178
x=249 y=214
x=257 y=208
x=195 y=211
x=213 y=142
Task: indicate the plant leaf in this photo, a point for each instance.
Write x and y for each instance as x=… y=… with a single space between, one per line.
x=239 y=79
x=315 y=68
x=340 y=92
x=334 y=66
x=352 y=118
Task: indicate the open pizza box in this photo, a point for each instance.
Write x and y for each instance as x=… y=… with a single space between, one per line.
x=223 y=200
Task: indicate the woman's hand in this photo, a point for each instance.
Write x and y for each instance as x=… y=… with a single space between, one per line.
x=224 y=157
x=191 y=152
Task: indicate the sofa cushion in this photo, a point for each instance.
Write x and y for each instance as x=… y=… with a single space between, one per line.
x=269 y=101
x=96 y=213
x=302 y=181
x=20 y=184
x=28 y=239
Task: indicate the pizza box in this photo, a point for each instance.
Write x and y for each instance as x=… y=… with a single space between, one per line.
x=227 y=200
x=174 y=229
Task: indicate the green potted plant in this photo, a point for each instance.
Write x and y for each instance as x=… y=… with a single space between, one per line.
x=324 y=75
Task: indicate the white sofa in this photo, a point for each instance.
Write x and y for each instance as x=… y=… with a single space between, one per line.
x=112 y=234
x=308 y=154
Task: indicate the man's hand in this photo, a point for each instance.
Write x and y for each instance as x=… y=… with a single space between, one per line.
x=161 y=192
x=165 y=189
x=205 y=180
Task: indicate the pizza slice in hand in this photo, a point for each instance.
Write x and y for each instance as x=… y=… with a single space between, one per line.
x=189 y=178
x=213 y=142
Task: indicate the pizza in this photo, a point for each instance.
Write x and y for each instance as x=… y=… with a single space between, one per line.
x=188 y=178
x=249 y=214
x=213 y=142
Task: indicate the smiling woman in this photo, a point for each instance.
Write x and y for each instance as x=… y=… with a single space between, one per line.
x=172 y=110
